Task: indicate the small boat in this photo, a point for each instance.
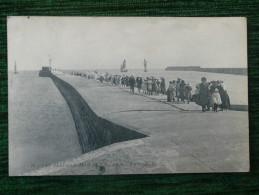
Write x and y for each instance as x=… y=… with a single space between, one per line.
x=145 y=66
x=45 y=71
x=15 y=68
x=123 y=67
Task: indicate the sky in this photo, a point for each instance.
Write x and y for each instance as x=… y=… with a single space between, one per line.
x=104 y=42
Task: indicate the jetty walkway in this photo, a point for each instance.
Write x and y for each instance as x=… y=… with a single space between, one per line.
x=178 y=140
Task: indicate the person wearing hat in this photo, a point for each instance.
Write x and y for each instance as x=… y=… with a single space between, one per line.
x=154 y=86
x=149 y=86
x=144 y=85
x=181 y=91
x=178 y=82
x=224 y=96
x=114 y=80
x=171 y=91
x=132 y=82
x=203 y=94
x=102 y=78
x=162 y=85
x=139 y=82
x=122 y=80
x=119 y=80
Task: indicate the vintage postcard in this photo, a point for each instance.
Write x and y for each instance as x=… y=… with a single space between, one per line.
x=127 y=95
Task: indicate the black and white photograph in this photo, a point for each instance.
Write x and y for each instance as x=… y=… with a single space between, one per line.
x=127 y=95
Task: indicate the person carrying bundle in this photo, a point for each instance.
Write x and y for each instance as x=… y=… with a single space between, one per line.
x=203 y=91
x=139 y=82
x=132 y=82
x=171 y=91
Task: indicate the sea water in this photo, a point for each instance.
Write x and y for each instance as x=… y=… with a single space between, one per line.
x=41 y=127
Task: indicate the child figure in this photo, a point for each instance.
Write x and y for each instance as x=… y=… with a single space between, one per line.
x=181 y=91
x=215 y=99
x=188 y=92
x=171 y=91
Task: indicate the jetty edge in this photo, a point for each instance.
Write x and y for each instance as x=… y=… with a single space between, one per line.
x=177 y=141
x=93 y=131
x=235 y=71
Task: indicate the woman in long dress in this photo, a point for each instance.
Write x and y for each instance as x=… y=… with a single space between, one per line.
x=224 y=96
x=171 y=91
x=181 y=91
x=144 y=86
x=162 y=85
x=203 y=97
x=139 y=82
x=149 y=86
x=178 y=82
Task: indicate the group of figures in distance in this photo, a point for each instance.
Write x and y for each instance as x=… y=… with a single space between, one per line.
x=124 y=69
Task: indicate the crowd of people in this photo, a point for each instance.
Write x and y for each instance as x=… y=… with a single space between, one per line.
x=212 y=94
x=208 y=95
x=149 y=85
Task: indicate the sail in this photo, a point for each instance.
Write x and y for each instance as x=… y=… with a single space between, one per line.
x=145 y=65
x=15 y=68
x=123 y=66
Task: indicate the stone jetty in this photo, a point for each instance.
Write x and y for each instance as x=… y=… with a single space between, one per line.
x=168 y=138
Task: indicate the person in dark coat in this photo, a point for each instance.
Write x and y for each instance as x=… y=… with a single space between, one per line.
x=139 y=82
x=158 y=86
x=144 y=86
x=203 y=97
x=122 y=81
x=114 y=80
x=154 y=86
x=171 y=91
x=132 y=82
x=182 y=91
x=178 y=82
x=102 y=78
x=149 y=86
x=162 y=86
x=224 y=96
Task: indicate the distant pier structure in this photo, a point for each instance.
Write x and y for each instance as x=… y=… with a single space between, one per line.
x=236 y=71
x=45 y=71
